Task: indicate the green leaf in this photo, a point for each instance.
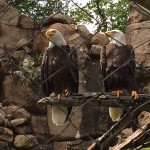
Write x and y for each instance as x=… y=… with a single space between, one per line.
x=147 y=148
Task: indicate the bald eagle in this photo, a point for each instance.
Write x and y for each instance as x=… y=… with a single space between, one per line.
x=59 y=72
x=115 y=54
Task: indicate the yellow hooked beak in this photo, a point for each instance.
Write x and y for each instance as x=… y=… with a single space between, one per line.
x=108 y=33
x=47 y=33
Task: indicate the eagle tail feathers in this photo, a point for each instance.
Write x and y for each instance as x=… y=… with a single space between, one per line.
x=115 y=113
x=59 y=115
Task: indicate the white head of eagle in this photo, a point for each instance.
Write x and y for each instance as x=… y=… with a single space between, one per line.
x=117 y=35
x=55 y=37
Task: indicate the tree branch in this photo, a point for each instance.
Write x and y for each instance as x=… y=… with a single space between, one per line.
x=132 y=137
x=96 y=99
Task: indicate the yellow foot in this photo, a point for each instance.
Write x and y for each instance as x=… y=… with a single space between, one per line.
x=55 y=96
x=67 y=93
x=134 y=95
x=117 y=93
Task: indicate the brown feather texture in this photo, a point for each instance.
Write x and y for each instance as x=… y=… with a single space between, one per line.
x=117 y=62
x=59 y=72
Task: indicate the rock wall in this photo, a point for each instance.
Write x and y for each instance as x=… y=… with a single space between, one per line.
x=138 y=35
x=23 y=123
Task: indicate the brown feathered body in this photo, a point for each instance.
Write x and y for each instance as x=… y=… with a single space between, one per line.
x=118 y=67
x=60 y=72
x=122 y=58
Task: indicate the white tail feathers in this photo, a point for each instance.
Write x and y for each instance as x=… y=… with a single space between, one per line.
x=59 y=115
x=115 y=113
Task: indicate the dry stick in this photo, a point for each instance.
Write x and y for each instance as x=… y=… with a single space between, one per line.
x=145 y=142
x=132 y=137
x=106 y=139
x=98 y=99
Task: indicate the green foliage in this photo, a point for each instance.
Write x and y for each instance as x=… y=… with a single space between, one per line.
x=111 y=15
x=37 y=8
x=148 y=148
x=107 y=13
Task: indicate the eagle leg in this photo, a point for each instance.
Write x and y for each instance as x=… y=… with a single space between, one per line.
x=58 y=96
x=134 y=95
x=55 y=96
x=67 y=93
x=117 y=92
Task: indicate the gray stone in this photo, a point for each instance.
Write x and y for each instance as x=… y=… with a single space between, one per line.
x=6 y=135
x=143 y=118
x=40 y=127
x=22 y=95
x=21 y=42
x=2 y=119
x=99 y=39
x=10 y=31
x=58 y=18
x=85 y=34
x=19 y=55
x=19 y=121
x=138 y=36
x=16 y=112
x=2 y=52
x=4 y=146
x=25 y=141
x=2 y=4
x=10 y=16
x=136 y=17
x=27 y=22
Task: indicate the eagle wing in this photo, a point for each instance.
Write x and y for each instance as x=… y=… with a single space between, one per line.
x=111 y=58
x=132 y=64
x=45 y=72
x=65 y=56
x=74 y=69
x=103 y=65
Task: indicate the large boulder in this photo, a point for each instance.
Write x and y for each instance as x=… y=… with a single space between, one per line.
x=99 y=39
x=15 y=26
x=57 y=18
x=25 y=141
x=137 y=33
x=136 y=17
x=6 y=135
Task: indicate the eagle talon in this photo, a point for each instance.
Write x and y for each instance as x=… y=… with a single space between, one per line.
x=67 y=93
x=134 y=95
x=117 y=92
x=58 y=96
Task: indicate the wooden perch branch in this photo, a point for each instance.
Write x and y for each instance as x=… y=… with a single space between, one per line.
x=96 y=99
